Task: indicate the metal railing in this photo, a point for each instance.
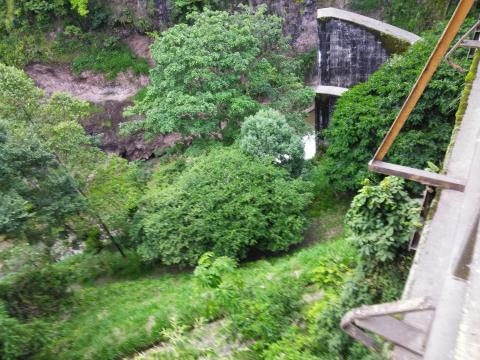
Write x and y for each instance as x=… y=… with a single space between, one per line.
x=377 y=164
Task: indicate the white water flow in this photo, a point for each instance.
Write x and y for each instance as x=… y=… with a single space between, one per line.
x=309 y=146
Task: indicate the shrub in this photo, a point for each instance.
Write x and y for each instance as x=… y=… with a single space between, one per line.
x=180 y=8
x=87 y=268
x=364 y=114
x=36 y=291
x=296 y=347
x=366 y=286
x=110 y=61
x=210 y=270
x=18 y=340
x=226 y=203
x=267 y=136
x=379 y=222
x=264 y=312
x=381 y=219
x=410 y=15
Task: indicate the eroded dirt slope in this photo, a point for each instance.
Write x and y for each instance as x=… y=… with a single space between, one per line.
x=111 y=96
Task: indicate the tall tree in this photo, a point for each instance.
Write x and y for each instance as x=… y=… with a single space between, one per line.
x=218 y=70
x=106 y=183
x=36 y=194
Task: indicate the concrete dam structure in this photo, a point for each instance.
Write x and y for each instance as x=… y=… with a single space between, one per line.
x=351 y=48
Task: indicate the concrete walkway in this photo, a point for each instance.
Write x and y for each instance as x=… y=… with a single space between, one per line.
x=369 y=23
x=431 y=272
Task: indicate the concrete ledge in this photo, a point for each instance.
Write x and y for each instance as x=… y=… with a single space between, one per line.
x=431 y=273
x=329 y=90
x=369 y=23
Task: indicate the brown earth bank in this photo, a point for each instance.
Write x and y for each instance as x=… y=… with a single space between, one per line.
x=112 y=97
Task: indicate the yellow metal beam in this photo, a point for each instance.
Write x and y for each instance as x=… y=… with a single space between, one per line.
x=433 y=62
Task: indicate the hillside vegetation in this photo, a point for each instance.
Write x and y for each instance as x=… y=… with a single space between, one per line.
x=227 y=244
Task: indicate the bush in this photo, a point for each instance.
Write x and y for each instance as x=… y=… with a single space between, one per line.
x=36 y=291
x=267 y=136
x=264 y=312
x=226 y=203
x=294 y=347
x=381 y=220
x=18 y=340
x=110 y=61
x=410 y=15
x=87 y=268
x=45 y=290
x=366 y=286
x=379 y=223
x=364 y=114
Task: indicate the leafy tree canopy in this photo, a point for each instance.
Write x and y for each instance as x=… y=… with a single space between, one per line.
x=268 y=136
x=226 y=203
x=43 y=135
x=216 y=71
x=36 y=195
x=364 y=114
x=37 y=10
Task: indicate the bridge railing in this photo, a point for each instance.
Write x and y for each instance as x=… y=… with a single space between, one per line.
x=377 y=164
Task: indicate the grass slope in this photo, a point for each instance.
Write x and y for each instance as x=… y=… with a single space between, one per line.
x=117 y=318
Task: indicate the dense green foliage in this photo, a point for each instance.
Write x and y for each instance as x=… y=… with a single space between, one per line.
x=36 y=292
x=364 y=114
x=19 y=340
x=65 y=205
x=183 y=7
x=46 y=289
x=412 y=15
x=106 y=184
x=379 y=223
x=40 y=11
x=24 y=25
x=226 y=203
x=98 y=52
x=79 y=38
x=268 y=137
x=213 y=73
x=97 y=324
x=36 y=194
x=381 y=219
x=110 y=61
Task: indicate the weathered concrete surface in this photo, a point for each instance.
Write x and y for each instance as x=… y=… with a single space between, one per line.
x=300 y=23
x=468 y=340
x=351 y=47
x=433 y=259
x=330 y=90
x=369 y=23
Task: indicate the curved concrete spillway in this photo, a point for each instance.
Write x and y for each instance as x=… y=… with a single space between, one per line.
x=351 y=48
x=368 y=23
x=330 y=90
